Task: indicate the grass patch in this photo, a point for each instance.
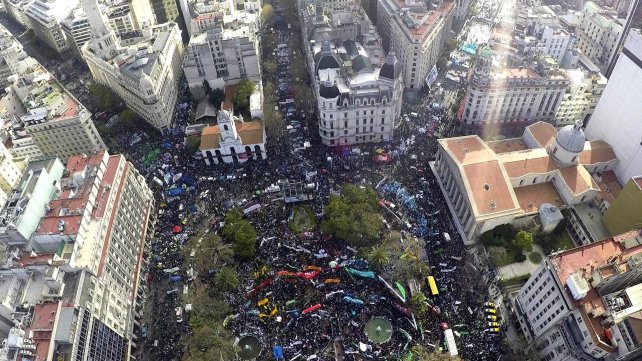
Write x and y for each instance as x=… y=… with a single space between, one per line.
x=535 y=257
x=301 y=220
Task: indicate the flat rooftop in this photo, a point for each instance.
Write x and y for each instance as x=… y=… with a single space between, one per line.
x=531 y=197
x=507 y=145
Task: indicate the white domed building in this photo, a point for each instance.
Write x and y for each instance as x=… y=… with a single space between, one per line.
x=509 y=181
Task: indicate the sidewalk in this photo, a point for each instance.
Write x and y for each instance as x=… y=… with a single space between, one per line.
x=455 y=220
x=521 y=268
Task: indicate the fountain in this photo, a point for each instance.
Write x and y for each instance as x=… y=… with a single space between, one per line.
x=249 y=347
x=378 y=330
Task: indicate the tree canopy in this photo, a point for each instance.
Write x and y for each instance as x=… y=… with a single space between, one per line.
x=105 y=98
x=240 y=232
x=354 y=216
x=244 y=89
x=524 y=241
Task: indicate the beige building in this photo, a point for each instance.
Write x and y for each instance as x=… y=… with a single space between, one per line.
x=416 y=33
x=144 y=69
x=598 y=32
x=165 y=10
x=511 y=97
x=16 y=11
x=507 y=181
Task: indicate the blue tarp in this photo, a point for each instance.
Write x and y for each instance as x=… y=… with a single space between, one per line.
x=175 y=278
x=277 y=352
x=352 y=300
x=175 y=191
x=362 y=274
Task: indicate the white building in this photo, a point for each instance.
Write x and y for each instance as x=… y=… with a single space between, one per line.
x=599 y=33
x=165 y=10
x=581 y=97
x=616 y=118
x=584 y=303
x=223 y=48
x=511 y=97
x=11 y=56
x=77 y=30
x=45 y=17
x=506 y=181
x=416 y=33
x=358 y=90
x=144 y=69
x=232 y=140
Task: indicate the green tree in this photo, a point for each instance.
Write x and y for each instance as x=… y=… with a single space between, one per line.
x=104 y=130
x=128 y=118
x=273 y=121
x=421 y=354
x=105 y=98
x=244 y=89
x=245 y=240
x=419 y=304
x=269 y=67
x=217 y=97
x=226 y=279
x=524 y=241
x=378 y=256
x=267 y=15
x=192 y=144
x=354 y=216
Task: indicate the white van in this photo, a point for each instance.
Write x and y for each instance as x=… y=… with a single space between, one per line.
x=447 y=236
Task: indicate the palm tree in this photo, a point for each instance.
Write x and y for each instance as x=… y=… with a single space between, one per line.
x=378 y=256
x=226 y=279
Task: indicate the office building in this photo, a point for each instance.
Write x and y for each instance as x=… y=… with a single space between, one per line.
x=502 y=100
x=584 y=303
x=45 y=17
x=416 y=31
x=616 y=118
x=507 y=181
x=598 y=32
x=630 y=15
x=223 y=48
x=232 y=140
x=581 y=97
x=11 y=56
x=144 y=69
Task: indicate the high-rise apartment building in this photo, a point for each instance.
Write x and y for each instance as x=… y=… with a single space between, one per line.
x=511 y=97
x=76 y=289
x=143 y=69
x=416 y=31
x=599 y=32
x=223 y=49
x=45 y=17
x=583 y=303
x=616 y=118
x=12 y=56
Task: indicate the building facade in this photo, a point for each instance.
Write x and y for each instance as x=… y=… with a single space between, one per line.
x=165 y=10
x=16 y=11
x=416 y=32
x=616 y=117
x=512 y=96
x=144 y=70
x=625 y=213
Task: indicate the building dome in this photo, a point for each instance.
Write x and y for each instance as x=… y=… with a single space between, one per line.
x=486 y=52
x=329 y=91
x=572 y=137
x=146 y=83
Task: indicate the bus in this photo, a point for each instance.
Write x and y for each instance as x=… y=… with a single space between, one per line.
x=433 y=285
x=450 y=342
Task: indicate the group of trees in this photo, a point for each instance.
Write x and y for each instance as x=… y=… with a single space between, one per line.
x=241 y=98
x=354 y=216
x=240 y=233
x=215 y=96
x=400 y=259
x=506 y=245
